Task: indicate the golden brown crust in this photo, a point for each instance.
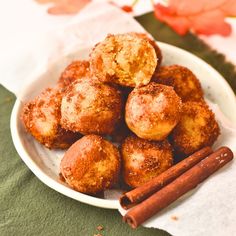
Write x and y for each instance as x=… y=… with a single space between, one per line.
x=41 y=118
x=124 y=59
x=185 y=83
x=143 y=160
x=197 y=129
x=75 y=70
x=152 y=111
x=91 y=165
x=89 y=107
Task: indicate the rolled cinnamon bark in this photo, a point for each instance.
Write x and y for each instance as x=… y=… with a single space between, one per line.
x=139 y=194
x=184 y=183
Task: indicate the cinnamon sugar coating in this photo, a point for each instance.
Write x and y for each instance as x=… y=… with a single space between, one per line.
x=143 y=160
x=152 y=111
x=89 y=107
x=91 y=165
x=75 y=70
x=41 y=118
x=197 y=128
x=124 y=59
x=184 y=82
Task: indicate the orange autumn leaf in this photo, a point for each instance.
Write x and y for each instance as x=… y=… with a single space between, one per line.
x=65 y=6
x=127 y=8
x=200 y=16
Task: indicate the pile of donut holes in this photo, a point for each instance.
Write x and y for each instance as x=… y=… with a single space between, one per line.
x=124 y=117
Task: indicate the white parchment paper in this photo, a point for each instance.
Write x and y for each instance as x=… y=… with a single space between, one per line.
x=209 y=209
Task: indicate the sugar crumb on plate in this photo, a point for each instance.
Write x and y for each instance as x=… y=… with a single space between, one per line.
x=174 y=218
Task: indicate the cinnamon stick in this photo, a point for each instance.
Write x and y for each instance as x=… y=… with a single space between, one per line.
x=139 y=194
x=184 y=183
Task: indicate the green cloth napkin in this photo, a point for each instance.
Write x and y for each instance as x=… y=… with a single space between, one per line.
x=28 y=207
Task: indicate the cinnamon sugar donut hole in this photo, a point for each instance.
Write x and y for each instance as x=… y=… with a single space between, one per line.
x=124 y=59
x=143 y=160
x=152 y=111
x=91 y=165
x=75 y=70
x=184 y=82
x=197 y=128
x=90 y=107
x=41 y=118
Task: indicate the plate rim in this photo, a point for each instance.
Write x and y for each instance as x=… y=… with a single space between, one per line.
x=53 y=184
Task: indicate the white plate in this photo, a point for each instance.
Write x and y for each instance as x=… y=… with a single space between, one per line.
x=44 y=163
